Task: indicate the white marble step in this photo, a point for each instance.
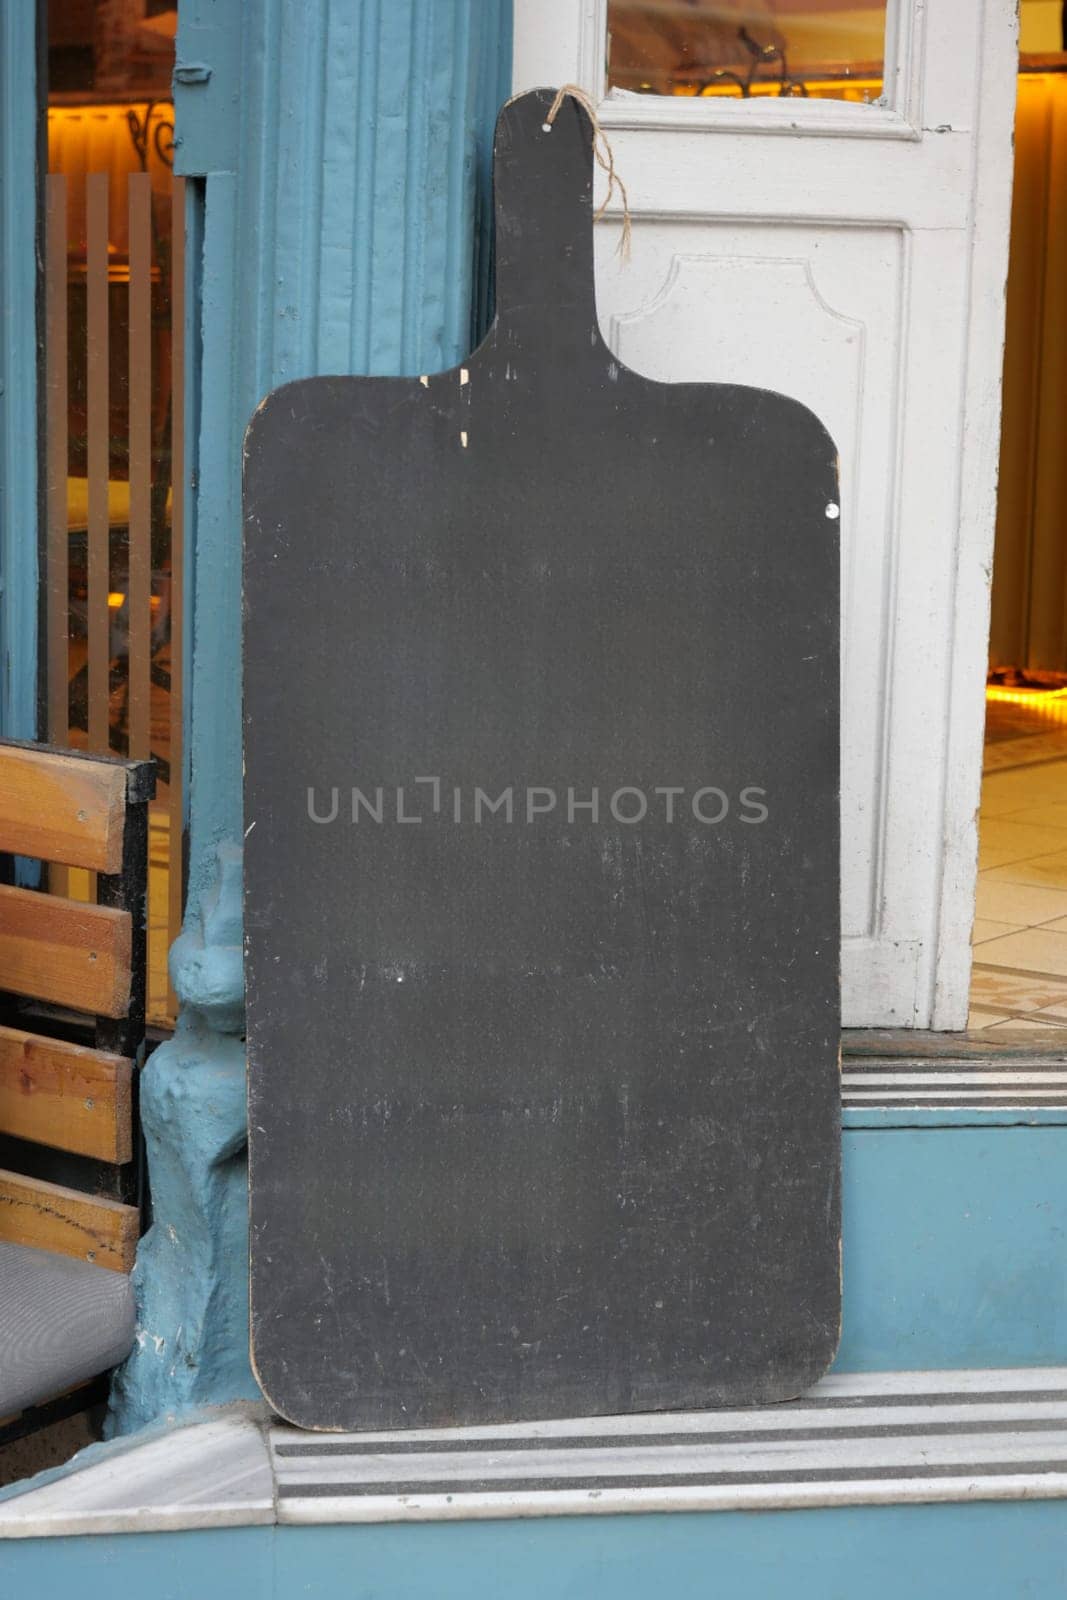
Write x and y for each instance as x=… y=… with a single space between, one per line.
x=874 y=1439
x=211 y=1471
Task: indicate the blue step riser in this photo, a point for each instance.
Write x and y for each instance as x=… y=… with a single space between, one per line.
x=981 y=1551
x=954 y=1248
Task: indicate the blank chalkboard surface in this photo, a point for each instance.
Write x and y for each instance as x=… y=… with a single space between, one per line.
x=541 y=741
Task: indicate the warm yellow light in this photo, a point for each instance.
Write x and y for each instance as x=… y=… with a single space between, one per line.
x=1023 y=697
x=863 y=89
x=116 y=600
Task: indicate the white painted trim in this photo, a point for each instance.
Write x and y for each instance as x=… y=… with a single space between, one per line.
x=980 y=452
x=829 y=118
x=549 y=46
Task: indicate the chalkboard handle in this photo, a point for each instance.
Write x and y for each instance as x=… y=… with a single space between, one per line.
x=545 y=290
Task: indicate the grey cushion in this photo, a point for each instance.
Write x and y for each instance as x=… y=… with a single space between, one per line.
x=61 y=1321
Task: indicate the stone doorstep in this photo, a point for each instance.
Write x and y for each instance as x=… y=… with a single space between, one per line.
x=865 y=1439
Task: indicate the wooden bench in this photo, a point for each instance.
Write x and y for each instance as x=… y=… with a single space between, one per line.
x=72 y=1009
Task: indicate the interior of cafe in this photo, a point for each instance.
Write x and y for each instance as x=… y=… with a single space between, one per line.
x=112 y=545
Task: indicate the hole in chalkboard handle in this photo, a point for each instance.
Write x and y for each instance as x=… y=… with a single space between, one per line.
x=833 y=511
x=546 y=127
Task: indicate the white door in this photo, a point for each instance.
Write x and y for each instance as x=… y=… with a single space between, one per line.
x=853 y=256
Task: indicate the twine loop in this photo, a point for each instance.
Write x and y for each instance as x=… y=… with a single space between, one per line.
x=604 y=158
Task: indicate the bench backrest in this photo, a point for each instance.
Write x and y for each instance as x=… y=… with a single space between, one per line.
x=58 y=956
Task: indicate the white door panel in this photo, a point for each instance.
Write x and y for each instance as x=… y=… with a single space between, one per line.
x=852 y=257
x=843 y=326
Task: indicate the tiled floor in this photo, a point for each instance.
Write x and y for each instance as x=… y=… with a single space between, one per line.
x=1019 y=977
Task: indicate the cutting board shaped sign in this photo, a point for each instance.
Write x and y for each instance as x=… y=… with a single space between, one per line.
x=541 y=800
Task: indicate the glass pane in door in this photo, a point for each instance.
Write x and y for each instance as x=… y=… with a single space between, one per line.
x=743 y=48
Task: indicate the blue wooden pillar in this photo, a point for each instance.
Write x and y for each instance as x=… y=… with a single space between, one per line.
x=340 y=157
x=18 y=371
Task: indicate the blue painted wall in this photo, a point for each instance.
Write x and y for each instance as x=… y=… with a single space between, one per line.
x=18 y=371
x=1015 y=1551
x=340 y=157
x=955 y=1247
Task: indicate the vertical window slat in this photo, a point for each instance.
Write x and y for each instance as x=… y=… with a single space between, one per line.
x=140 y=463
x=98 y=401
x=56 y=400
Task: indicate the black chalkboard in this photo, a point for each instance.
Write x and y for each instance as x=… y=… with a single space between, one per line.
x=544 y=1102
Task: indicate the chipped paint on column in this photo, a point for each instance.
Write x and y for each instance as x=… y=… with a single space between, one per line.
x=344 y=151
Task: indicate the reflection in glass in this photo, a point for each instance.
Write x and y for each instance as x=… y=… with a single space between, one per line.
x=821 y=48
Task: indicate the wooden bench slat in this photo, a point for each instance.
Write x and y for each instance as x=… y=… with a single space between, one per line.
x=65 y=1096
x=62 y=808
x=47 y=1216
x=65 y=952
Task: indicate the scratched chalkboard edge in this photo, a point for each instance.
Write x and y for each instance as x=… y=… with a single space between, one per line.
x=753 y=1397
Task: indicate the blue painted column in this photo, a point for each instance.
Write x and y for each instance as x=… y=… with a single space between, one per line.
x=343 y=151
x=18 y=371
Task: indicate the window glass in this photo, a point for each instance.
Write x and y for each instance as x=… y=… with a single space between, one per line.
x=743 y=48
x=113 y=232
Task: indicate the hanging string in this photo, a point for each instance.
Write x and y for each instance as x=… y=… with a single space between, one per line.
x=604 y=158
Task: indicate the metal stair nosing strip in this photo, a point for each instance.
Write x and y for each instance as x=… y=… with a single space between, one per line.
x=883 y=1438
x=953 y=1084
